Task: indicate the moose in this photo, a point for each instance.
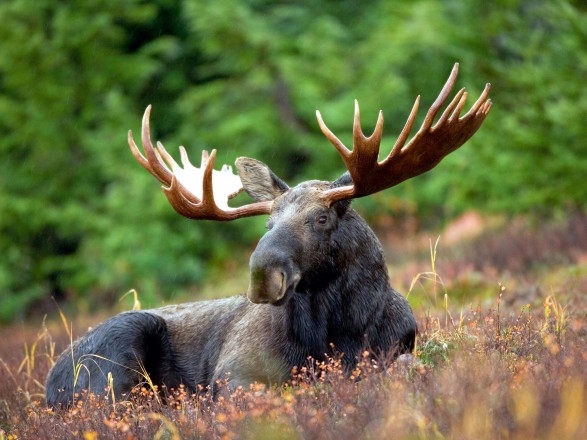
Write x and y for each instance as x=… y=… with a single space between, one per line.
x=318 y=280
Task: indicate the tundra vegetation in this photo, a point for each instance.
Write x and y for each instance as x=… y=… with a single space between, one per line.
x=492 y=360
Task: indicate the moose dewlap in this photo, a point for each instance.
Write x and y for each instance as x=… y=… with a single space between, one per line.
x=318 y=279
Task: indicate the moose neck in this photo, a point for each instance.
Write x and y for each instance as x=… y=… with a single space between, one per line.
x=334 y=302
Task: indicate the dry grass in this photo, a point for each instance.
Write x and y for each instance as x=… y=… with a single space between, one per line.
x=492 y=369
x=493 y=374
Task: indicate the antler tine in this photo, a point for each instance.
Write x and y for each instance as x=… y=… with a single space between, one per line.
x=365 y=149
x=405 y=133
x=205 y=158
x=157 y=167
x=207 y=190
x=442 y=97
x=423 y=152
x=136 y=152
x=152 y=163
x=454 y=108
x=190 y=190
x=482 y=105
x=164 y=156
x=344 y=151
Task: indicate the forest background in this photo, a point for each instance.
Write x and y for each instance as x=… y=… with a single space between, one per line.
x=81 y=220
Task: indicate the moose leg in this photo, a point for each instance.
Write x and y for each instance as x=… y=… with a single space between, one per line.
x=124 y=351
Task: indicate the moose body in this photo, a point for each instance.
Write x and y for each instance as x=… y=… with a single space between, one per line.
x=318 y=281
x=341 y=303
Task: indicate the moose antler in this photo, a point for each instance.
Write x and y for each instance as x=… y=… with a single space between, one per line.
x=423 y=152
x=196 y=193
x=203 y=193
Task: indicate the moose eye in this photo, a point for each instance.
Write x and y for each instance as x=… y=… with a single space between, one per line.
x=322 y=219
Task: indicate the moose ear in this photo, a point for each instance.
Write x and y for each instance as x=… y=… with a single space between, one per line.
x=343 y=180
x=258 y=180
x=342 y=206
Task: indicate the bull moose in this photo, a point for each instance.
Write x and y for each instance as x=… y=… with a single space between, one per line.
x=318 y=280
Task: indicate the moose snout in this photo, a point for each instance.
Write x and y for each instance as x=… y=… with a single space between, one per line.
x=272 y=285
x=274 y=273
x=267 y=285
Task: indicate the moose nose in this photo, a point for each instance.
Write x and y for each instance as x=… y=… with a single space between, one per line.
x=274 y=273
x=266 y=285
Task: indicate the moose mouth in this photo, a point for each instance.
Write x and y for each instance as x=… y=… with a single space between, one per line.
x=272 y=286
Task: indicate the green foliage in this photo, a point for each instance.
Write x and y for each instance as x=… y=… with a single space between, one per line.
x=78 y=217
x=533 y=150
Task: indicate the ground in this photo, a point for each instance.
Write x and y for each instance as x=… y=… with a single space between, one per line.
x=502 y=353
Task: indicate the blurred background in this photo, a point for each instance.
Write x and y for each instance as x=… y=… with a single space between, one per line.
x=82 y=222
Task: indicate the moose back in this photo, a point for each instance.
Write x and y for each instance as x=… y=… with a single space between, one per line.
x=318 y=279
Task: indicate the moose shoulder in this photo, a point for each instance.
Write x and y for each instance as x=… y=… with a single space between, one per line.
x=318 y=279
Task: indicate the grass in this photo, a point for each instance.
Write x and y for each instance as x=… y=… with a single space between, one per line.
x=502 y=365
